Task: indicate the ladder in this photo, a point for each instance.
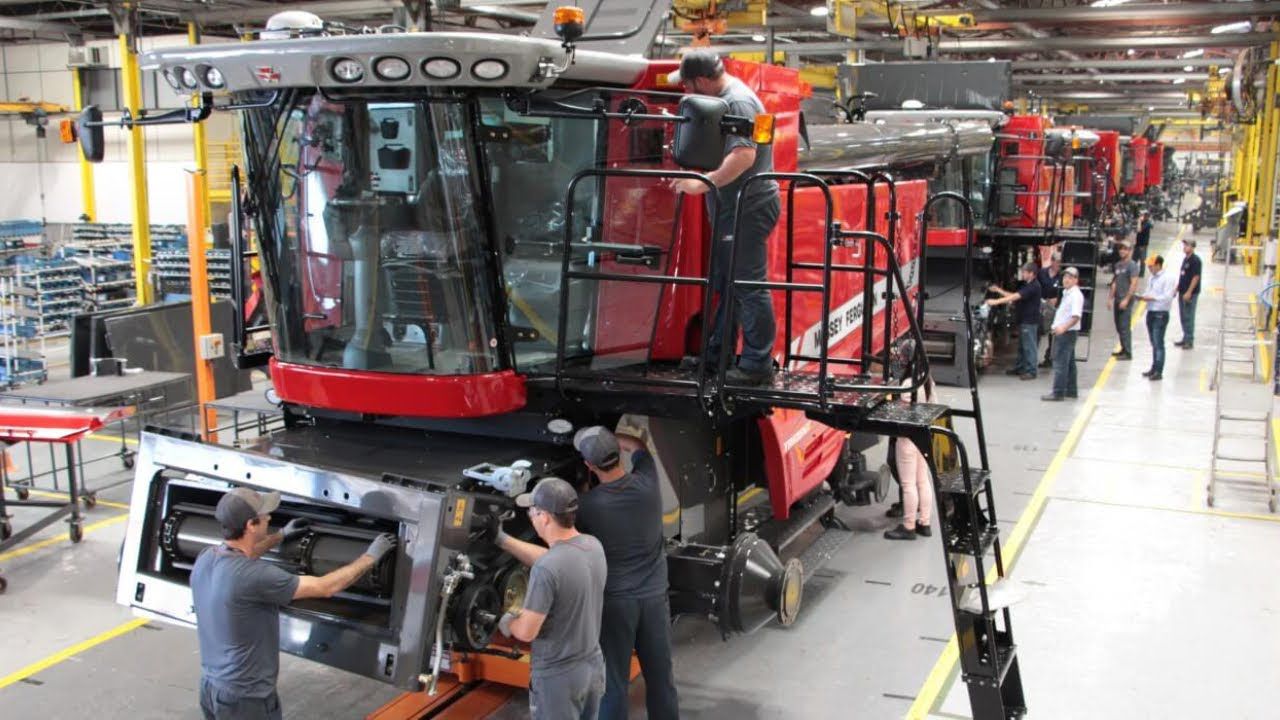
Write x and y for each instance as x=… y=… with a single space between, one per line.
x=1240 y=437
x=1083 y=256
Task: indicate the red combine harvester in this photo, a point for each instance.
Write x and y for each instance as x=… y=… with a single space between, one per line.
x=468 y=250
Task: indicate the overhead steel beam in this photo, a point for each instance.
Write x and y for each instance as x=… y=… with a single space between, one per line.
x=1146 y=13
x=1130 y=64
x=1153 y=94
x=987 y=46
x=39 y=26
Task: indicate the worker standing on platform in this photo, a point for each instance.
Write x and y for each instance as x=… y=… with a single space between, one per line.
x=625 y=512
x=1028 y=299
x=1065 y=330
x=702 y=73
x=1188 y=293
x=1124 y=285
x=1161 y=290
x=561 y=611
x=237 y=599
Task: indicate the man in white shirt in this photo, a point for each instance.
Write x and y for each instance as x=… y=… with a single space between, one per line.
x=1065 y=330
x=1161 y=290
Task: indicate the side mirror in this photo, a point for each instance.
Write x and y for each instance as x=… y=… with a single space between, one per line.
x=89 y=130
x=699 y=138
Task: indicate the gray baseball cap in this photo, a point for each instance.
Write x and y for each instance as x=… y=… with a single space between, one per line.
x=242 y=505
x=696 y=64
x=552 y=495
x=597 y=445
x=1071 y=271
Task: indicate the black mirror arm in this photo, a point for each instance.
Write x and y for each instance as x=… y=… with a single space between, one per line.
x=169 y=117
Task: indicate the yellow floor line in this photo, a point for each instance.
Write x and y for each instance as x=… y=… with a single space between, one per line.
x=61 y=537
x=67 y=653
x=943 y=669
x=111 y=438
x=64 y=496
x=1185 y=511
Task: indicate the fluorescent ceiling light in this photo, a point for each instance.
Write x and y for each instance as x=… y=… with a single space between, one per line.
x=1107 y=3
x=758 y=38
x=820 y=11
x=1235 y=27
x=1179 y=81
x=1151 y=108
x=1187 y=68
x=1131 y=51
x=1193 y=53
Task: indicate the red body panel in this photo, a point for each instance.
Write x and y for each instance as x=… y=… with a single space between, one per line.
x=947 y=237
x=1137 y=154
x=377 y=393
x=55 y=424
x=1021 y=147
x=1155 y=165
x=1106 y=162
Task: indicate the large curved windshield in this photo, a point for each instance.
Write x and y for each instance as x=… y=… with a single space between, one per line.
x=374 y=251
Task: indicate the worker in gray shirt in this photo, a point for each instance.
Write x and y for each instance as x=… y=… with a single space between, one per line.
x=702 y=73
x=237 y=598
x=561 y=611
x=1124 y=283
x=625 y=512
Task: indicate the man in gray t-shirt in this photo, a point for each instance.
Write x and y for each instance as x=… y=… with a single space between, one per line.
x=1120 y=298
x=702 y=73
x=237 y=599
x=562 y=607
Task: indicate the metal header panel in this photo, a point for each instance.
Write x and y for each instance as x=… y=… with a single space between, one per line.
x=510 y=61
x=937 y=84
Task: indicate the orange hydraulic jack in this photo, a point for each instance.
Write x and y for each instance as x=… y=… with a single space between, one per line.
x=477 y=685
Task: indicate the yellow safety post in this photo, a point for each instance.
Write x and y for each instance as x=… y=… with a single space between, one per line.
x=202 y=326
x=87 y=194
x=137 y=172
x=199 y=139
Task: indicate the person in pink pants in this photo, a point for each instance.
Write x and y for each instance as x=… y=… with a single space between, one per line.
x=917 y=487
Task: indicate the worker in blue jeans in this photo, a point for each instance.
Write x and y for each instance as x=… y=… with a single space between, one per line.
x=1028 y=302
x=1188 y=293
x=1161 y=290
x=625 y=513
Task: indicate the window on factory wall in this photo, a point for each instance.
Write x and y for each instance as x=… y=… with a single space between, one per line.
x=375 y=253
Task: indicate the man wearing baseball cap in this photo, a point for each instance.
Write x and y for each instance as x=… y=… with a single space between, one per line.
x=237 y=598
x=1066 y=328
x=1188 y=293
x=625 y=512
x=561 y=611
x=702 y=73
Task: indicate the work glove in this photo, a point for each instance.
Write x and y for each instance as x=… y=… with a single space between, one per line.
x=504 y=623
x=295 y=529
x=493 y=529
x=380 y=546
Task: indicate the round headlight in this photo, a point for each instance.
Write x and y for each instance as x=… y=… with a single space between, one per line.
x=392 y=68
x=213 y=77
x=169 y=78
x=441 y=68
x=347 y=70
x=489 y=69
x=186 y=78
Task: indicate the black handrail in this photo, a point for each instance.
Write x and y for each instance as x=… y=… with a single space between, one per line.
x=567 y=274
x=966 y=293
x=891 y=221
x=868 y=293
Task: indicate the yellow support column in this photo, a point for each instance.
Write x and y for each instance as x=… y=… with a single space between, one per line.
x=87 y=194
x=197 y=222
x=200 y=141
x=137 y=172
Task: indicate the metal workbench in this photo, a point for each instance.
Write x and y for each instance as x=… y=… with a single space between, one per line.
x=258 y=403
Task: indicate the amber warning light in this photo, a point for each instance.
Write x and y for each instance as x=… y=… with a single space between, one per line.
x=570 y=22
x=67 y=131
x=762 y=130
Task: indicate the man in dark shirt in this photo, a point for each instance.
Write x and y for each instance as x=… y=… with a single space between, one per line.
x=1050 y=279
x=1124 y=285
x=1028 y=299
x=237 y=599
x=1141 y=241
x=702 y=73
x=1188 y=293
x=625 y=512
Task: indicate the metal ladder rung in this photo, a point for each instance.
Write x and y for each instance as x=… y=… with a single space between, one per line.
x=1239 y=458
x=1238 y=436
x=1262 y=417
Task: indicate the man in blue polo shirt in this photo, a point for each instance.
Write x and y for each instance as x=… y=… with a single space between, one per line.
x=1028 y=299
x=625 y=513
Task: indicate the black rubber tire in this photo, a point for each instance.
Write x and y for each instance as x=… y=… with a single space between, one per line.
x=6 y=530
x=4 y=584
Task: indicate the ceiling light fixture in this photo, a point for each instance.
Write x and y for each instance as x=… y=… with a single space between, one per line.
x=1187 y=68
x=1131 y=52
x=1107 y=3
x=1192 y=53
x=1235 y=27
x=1179 y=81
x=757 y=38
x=820 y=11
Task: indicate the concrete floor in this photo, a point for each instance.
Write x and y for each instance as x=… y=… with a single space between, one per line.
x=1142 y=602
